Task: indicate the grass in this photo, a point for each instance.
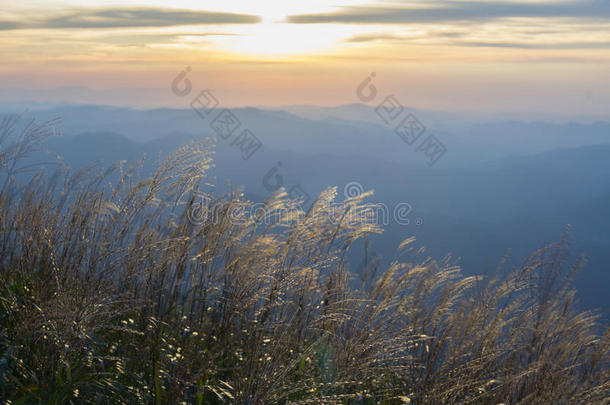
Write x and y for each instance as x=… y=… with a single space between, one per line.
x=118 y=290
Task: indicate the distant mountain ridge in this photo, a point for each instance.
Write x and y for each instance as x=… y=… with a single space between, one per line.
x=280 y=130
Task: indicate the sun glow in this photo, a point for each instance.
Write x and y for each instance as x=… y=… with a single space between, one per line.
x=283 y=40
x=257 y=55
x=275 y=38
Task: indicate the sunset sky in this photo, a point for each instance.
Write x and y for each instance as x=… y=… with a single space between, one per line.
x=543 y=55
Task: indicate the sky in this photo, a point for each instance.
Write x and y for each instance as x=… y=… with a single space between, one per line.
x=548 y=56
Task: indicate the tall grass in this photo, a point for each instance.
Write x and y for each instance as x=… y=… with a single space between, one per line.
x=111 y=292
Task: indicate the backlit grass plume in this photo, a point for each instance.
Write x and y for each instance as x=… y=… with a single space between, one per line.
x=115 y=289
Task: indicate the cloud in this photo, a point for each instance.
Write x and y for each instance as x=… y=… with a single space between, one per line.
x=478 y=44
x=131 y=17
x=375 y=37
x=392 y=37
x=525 y=45
x=463 y=11
x=9 y=25
x=147 y=39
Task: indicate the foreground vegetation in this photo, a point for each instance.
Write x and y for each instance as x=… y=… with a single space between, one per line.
x=115 y=290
